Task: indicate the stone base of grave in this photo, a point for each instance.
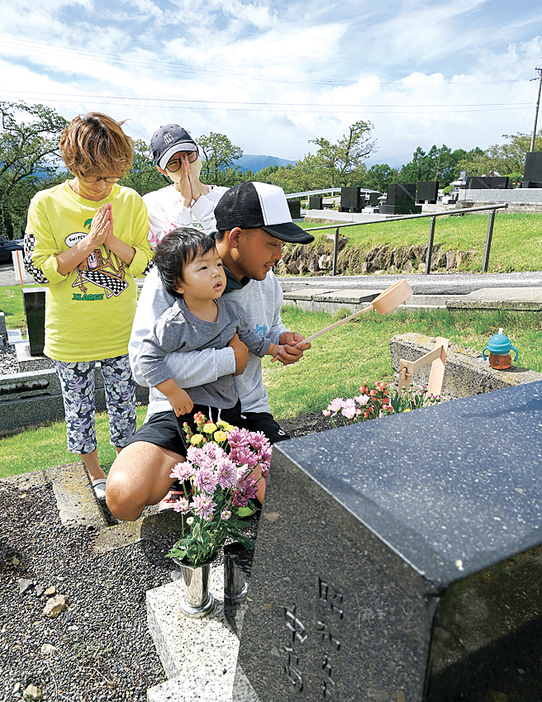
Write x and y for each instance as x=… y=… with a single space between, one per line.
x=199 y=655
x=466 y=374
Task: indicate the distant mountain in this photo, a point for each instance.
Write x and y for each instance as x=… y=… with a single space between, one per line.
x=255 y=162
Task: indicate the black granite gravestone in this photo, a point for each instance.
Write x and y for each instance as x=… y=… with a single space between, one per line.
x=487 y=183
x=350 y=199
x=315 y=202
x=401 y=199
x=34 y=307
x=427 y=191
x=295 y=208
x=399 y=560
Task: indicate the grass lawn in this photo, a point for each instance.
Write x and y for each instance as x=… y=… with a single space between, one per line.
x=516 y=243
x=336 y=365
x=11 y=304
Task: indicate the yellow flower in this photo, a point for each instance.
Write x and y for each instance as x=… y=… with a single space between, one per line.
x=220 y=436
x=197 y=439
x=225 y=425
x=209 y=428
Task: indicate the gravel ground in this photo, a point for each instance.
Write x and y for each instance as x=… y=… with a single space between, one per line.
x=102 y=649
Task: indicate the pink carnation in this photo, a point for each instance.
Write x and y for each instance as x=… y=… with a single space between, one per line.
x=336 y=404
x=349 y=409
x=362 y=399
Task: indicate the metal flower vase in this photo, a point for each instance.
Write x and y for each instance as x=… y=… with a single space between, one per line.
x=197 y=601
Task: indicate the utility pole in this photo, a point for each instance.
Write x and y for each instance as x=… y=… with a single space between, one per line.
x=539 y=69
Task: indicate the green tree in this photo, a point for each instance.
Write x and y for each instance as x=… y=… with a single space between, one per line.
x=29 y=160
x=504 y=158
x=379 y=176
x=144 y=176
x=439 y=163
x=342 y=162
x=218 y=158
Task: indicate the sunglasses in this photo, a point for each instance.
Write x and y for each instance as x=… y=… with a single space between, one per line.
x=176 y=163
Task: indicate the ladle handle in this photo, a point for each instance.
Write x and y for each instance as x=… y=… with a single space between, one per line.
x=332 y=326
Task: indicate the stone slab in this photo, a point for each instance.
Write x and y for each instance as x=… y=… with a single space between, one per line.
x=466 y=373
x=521 y=299
x=305 y=293
x=28 y=363
x=198 y=655
x=74 y=496
x=33 y=398
x=150 y=526
x=413 y=569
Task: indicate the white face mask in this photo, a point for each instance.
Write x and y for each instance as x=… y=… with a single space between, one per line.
x=195 y=168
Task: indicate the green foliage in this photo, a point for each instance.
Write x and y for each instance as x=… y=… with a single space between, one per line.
x=343 y=162
x=379 y=176
x=29 y=160
x=144 y=176
x=440 y=164
x=412 y=399
x=218 y=156
x=502 y=158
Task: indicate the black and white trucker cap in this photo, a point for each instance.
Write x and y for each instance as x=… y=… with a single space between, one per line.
x=253 y=205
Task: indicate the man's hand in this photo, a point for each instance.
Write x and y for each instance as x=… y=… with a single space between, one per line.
x=291 y=353
x=241 y=354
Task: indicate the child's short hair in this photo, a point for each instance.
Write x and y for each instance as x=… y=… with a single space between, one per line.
x=176 y=250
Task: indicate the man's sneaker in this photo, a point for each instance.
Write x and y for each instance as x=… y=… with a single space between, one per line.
x=175 y=494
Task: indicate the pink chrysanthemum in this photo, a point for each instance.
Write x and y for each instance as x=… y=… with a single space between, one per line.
x=205 y=480
x=226 y=473
x=182 y=506
x=182 y=471
x=203 y=506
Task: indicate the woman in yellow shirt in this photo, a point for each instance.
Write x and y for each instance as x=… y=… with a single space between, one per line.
x=86 y=240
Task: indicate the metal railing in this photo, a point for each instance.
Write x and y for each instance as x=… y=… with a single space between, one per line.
x=491 y=208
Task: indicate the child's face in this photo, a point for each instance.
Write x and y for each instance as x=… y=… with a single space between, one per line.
x=204 y=277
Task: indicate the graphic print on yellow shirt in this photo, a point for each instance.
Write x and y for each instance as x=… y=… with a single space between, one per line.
x=107 y=273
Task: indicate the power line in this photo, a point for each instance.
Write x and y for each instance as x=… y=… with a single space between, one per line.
x=226 y=106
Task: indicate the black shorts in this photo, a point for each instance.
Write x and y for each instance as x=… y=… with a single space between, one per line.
x=162 y=428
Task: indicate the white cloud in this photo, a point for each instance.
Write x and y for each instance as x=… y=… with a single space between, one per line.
x=272 y=76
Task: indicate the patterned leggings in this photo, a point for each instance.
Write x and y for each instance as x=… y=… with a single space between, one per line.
x=77 y=382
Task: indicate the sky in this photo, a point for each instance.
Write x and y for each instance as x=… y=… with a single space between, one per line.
x=275 y=74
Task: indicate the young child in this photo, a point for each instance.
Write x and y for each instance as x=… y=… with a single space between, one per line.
x=191 y=270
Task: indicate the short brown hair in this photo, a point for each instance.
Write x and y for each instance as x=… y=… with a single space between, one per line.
x=96 y=142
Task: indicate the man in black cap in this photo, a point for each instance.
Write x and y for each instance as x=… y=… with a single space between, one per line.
x=187 y=202
x=253 y=220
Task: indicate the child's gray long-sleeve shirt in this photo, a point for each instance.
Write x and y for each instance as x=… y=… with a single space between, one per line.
x=177 y=329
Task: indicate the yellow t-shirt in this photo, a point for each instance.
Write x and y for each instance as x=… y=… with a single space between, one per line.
x=89 y=311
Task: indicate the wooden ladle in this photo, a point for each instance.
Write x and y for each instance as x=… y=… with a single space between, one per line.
x=384 y=303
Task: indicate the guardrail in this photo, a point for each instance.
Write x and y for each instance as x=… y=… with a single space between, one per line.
x=433 y=215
